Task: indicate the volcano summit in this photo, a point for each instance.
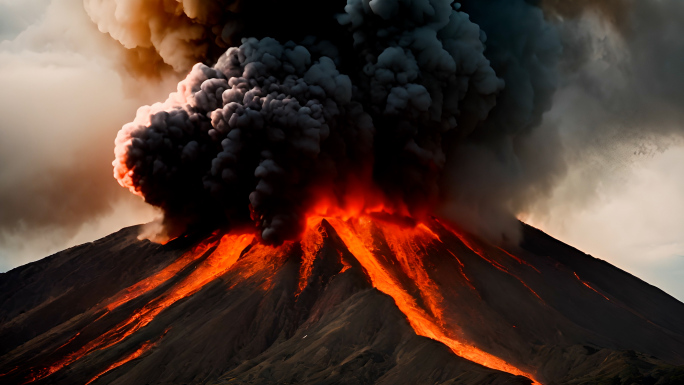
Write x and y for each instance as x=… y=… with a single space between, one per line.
x=340 y=196
x=361 y=300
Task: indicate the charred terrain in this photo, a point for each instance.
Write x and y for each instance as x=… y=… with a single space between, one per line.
x=357 y=301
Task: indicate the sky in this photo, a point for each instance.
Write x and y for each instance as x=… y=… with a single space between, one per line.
x=635 y=222
x=62 y=105
x=66 y=94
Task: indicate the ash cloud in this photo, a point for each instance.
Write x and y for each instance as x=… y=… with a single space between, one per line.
x=474 y=111
x=620 y=94
x=274 y=126
x=162 y=34
x=631 y=72
x=616 y=100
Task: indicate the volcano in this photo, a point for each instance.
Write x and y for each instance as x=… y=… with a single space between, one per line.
x=364 y=300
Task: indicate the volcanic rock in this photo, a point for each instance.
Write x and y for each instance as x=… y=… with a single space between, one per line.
x=357 y=301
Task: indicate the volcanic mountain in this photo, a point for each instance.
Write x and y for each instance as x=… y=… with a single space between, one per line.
x=363 y=300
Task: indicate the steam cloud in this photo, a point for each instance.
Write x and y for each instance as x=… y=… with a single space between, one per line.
x=426 y=105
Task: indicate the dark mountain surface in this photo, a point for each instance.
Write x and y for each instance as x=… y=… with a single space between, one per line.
x=363 y=301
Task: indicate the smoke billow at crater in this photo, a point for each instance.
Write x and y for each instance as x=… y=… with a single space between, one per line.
x=413 y=107
x=410 y=107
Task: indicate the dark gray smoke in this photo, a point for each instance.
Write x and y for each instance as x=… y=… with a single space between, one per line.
x=511 y=158
x=274 y=127
x=427 y=106
x=630 y=70
x=621 y=88
x=617 y=96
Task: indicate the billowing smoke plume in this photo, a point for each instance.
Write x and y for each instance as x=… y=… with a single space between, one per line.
x=424 y=106
x=275 y=127
x=619 y=96
x=512 y=158
x=180 y=33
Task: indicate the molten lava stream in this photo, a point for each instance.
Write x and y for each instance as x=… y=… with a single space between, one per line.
x=407 y=244
x=150 y=283
x=463 y=274
x=494 y=263
x=519 y=260
x=311 y=243
x=589 y=286
x=144 y=348
x=357 y=236
x=218 y=263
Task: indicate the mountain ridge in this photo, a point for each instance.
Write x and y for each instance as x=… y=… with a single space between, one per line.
x=303 y=312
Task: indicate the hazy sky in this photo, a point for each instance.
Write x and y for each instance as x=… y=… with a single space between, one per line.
x=65 y=97
x=635 y=221
x=62 y=105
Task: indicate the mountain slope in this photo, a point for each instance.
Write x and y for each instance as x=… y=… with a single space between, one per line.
x=351 y=302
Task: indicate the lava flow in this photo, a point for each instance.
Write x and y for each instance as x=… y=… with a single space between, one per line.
x=150 y=283
x=471 y=245
x=144 y=348
x=393 y=254
x=351 y=294
x=585 y=283
x=215 y=265
x=408 y=244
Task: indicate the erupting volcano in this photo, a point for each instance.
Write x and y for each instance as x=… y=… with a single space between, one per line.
x=339 y=200
x=365 y=299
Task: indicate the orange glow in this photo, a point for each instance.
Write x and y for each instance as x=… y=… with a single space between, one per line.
x=144 y=348
x=215 y=265
x=481 y=254
x=463 y=274
x=589 y=286
x=395 y=253
x=150 y=283
x=407 y=243
x=10 y=372
x=345 y=265
x=360 y=198
x=262 y=261
x=311 y=243
x=70 y=340
x=429 y=230
x=520 y=261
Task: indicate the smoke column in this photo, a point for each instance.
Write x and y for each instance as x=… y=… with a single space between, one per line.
x=275 y=127
x=413 y=107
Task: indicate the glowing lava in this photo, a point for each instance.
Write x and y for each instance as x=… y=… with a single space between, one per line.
x=150 y=283
x=589 y=286
x=312 y=241
x=409 y=244
x=215 y=265
x=471 y=245
x=394 y=255
x=144 y=348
